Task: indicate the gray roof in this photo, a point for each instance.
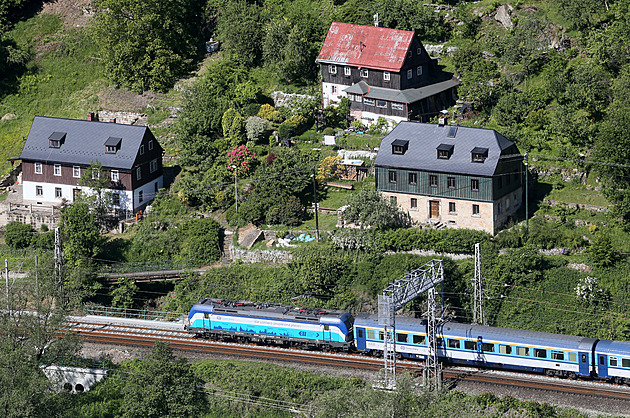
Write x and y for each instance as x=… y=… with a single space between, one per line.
x=401 y=96
x=84 y=142
x=425 y=138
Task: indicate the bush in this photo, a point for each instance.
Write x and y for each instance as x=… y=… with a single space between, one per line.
x=329 y=131
x=200 y=240
x=289 y=213
x=446 y=240
x=18 y=235
x=286 y=130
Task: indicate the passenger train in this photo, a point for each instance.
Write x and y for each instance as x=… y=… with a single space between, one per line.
x=457 y=343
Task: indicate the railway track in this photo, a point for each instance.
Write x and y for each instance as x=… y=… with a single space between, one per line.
x=119 y=332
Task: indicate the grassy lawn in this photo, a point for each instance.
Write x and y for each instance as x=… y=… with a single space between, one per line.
x=575 y=193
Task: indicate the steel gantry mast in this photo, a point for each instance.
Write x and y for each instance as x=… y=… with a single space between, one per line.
x=394 y=297
x=479 y=316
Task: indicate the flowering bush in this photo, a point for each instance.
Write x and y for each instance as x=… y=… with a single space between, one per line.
x=242 y=158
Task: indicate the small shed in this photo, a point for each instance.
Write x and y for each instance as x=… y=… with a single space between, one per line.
x=354 y=170
x=329 y=140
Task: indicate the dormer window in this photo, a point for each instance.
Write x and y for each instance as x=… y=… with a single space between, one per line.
x=399 y=146
x=444 y=151
x=479 y=155
x=56 y=139
x=112 y=145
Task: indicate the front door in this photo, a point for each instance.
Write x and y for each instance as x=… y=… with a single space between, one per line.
x=75 y=194
x=434 y=209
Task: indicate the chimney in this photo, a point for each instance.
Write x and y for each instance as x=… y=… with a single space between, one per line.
x=113 y=120
x=90 y=116
x=441 y=121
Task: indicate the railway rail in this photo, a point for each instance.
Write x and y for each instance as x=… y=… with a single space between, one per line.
x=134 y=332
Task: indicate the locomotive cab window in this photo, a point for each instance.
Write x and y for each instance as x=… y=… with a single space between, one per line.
x=625 y=362
x=613 y=361
x=371 y=335
x=326 y=327
x=522 y=351
x=540 y=353
x=557 y=355
x=470 y=345
x=505 y=349
x=453 y=343
x=487 y=347
x=419 y=339
x=402 y=338
x=206 y=315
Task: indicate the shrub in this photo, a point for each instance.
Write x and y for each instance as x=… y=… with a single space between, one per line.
x=289 y=213
x=255 y=127
x=286 y=130
x=329 y=131
x=446 y=240
x=18 y=235
x=200 y=240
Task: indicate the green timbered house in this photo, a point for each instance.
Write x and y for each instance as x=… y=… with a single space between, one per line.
x=450 y=175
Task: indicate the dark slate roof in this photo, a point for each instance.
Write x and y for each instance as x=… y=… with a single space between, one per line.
x=365 y=46
x=401 y=96
x=425 y=138
x=84 y=142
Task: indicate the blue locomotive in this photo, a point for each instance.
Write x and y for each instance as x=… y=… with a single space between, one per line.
x=457 y=343
x=271 y=324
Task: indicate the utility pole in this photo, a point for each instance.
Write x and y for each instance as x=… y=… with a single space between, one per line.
x=316 y=207
x=478 y=312
x=58 y=259
x=6 y=277
x=235 y=189
x=527 y=192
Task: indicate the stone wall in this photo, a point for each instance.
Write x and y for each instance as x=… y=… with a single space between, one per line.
x=260 y=256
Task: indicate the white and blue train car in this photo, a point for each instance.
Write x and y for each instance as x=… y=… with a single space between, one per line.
x=613 y=360
x=270 y=323
x=483 y=346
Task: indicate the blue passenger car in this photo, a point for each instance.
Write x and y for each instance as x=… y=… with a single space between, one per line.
x=270 y=323
x=613 y=360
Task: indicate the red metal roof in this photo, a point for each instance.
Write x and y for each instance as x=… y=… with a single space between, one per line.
x=365 y=46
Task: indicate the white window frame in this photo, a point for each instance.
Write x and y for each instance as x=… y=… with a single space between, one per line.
x=150 y=145
x=39 y=190
x=38 y=168
x=386 y=75
x=347 y=71
x=398 y=106
x=76 y=171
x=60 y=194
x=141 y=149
x=115 y=176
x=358 y=98
x=369 y=102
x=332 y=69
x=57 y=170
x=409 y=74
x=153 y=165
x=138 y=173
x=364 y=73
x=419 y=71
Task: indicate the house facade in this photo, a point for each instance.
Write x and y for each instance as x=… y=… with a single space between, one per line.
x=58 y=152
x=384 y=72
x=450 y=175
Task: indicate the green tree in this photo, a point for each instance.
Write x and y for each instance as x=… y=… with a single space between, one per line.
x=238 y=27
x=162 y=385
x=369 y=208
x=18 y=235
x=98 y=197
x=147 y=45
x=319 y=267
x=124 y=293
x=601 y=252
x=233 y=127
x=200 y=240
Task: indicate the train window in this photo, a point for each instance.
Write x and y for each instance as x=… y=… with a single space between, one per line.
x=522 y=351
x=625 y=362
x=470 y=345
x=381 y=335
x=557 y=355
x=453 y=343
x=540 y=353
x=439 y=342
x=583 y=358
x=572 y=357
x=613 y=361
x=360 y=332
x=487 y=347
x=505 y=349
x=371 y=334
x=601 y=360
x=402 y=338
x=206 y=315
x=419 y=339
x=326 y=327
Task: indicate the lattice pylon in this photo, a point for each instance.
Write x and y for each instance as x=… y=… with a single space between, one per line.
x=478 y=310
